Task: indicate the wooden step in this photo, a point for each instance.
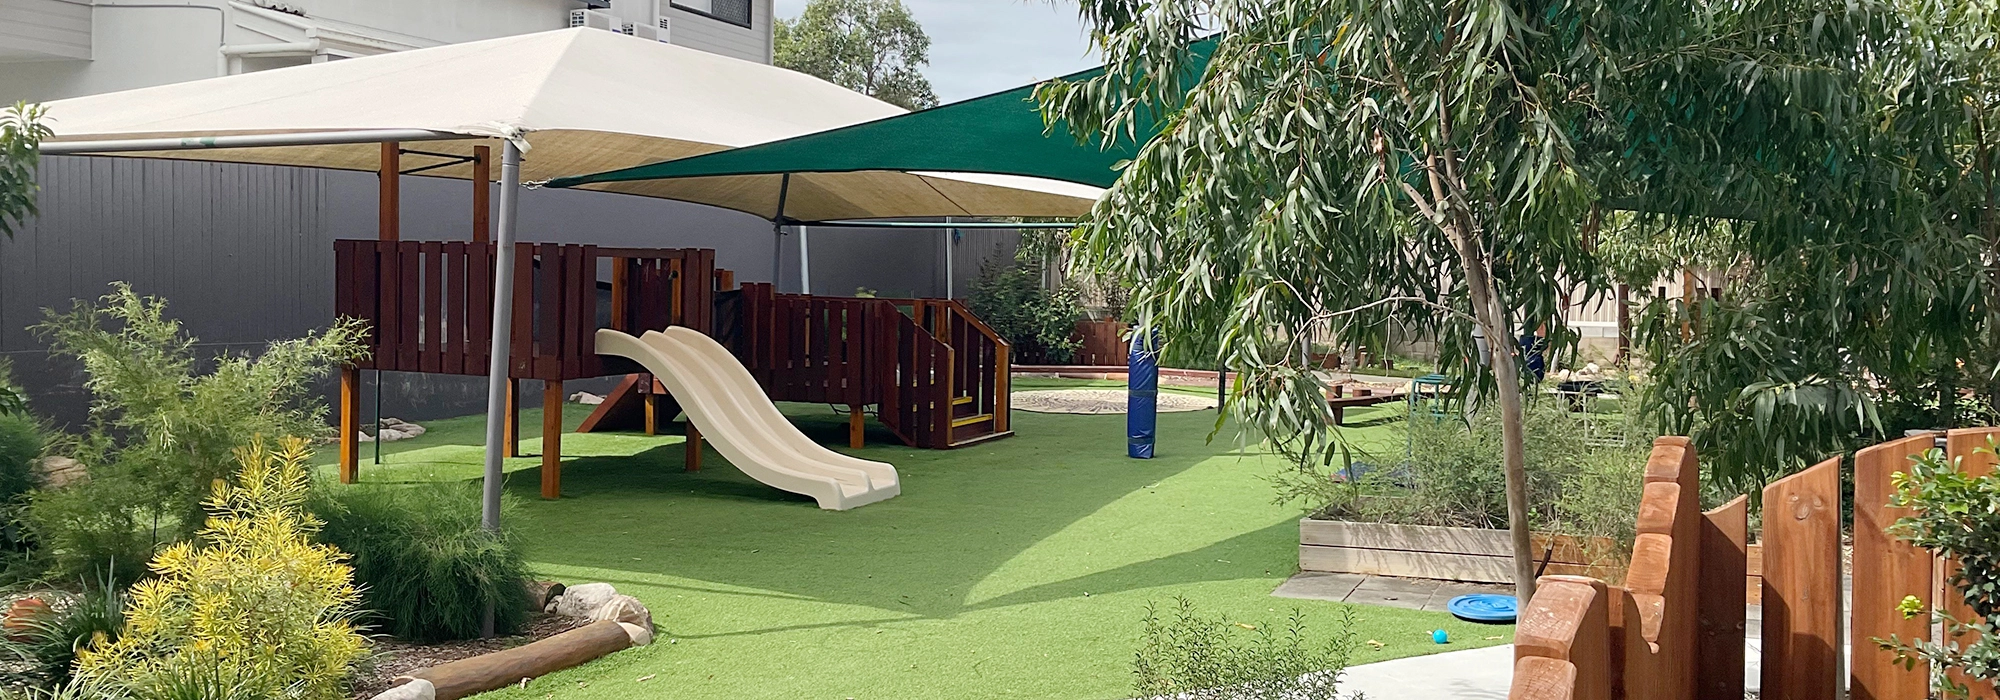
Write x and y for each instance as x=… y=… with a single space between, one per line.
x=963 y=407
x=976 y=439
x=971 y=420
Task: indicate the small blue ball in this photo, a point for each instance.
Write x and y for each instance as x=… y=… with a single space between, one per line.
x=1439 y=637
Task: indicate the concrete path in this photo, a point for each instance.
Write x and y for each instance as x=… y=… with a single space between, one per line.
x=1474 y=674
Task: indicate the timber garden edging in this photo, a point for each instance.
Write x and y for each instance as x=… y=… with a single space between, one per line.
x=1445 y=553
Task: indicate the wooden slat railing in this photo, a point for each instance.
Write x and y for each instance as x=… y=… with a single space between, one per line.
x=1676 y=629
x=984 y=374
x=909 y=357
x=430 y=303
x=915 y=380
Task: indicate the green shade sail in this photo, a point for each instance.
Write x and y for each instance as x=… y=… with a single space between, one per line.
x=999 y=134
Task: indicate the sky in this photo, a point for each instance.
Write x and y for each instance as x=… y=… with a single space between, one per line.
x=985 y=46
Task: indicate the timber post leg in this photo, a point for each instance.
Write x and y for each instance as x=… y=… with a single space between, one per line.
x=857 y=431
x=652 y=406
x=552 y=422
x=512 y=432
x=692 y=457
x=350 y=424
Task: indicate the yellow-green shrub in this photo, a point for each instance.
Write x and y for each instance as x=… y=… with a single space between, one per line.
x=258 y=607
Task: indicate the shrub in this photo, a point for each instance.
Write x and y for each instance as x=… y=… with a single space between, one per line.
x=1954 y=518
x=11 y=399
x=259 y=610
x=1192 y=657
x=1449 y=474
x=1039 y=323
x=160 y=432
x=427 y=567
x=22 y=441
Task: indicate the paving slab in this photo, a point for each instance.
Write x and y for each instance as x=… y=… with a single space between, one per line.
x=1394 y=592
x=1319 y=585
x=1411 y=593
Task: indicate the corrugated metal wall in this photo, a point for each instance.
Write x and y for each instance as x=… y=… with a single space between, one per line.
x=244 y=255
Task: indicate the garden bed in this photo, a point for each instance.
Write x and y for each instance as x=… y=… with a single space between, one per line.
x=391 y=658
x=1446 y=553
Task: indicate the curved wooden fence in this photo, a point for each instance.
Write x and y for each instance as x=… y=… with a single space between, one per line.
x=1676 y=629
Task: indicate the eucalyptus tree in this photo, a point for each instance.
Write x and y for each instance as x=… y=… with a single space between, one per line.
x=875 y=47
x=1447 y=162
x=1865 y=250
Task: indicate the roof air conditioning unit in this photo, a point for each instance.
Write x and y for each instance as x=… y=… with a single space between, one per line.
x=596 y=19
x=663 y=33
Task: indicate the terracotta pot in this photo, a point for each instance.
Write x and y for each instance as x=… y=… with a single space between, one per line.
x=21 y=616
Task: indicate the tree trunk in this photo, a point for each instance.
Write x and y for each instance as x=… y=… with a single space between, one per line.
x=1503 y=346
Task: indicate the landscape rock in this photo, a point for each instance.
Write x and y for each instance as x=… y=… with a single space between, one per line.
x=57 y=472
x=363 y=437
x=625 y=609
x=404 y=427
x=391 y=435
x=586 y=398
x=542 y=593
x=579 y=601
x=641 y=636
x=412 y=689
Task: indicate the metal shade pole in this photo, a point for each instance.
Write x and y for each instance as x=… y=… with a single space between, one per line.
x=805 y=262
x=778 y=233
x=496 y=372
x=503 y=314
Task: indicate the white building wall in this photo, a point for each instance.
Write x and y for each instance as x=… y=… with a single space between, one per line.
x=445 y=22
x=54 y=49
x=133 y=46
x=42 y=30
x=697 y=31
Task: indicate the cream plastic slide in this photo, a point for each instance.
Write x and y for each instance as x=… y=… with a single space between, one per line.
x=735 y=415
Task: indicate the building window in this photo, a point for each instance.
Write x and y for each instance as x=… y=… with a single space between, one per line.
x=735 y=12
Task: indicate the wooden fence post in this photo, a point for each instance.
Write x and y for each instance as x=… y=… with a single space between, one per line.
x=1724 y=558
x=1543 y=678
x=1894 y=569
x=1568 y=621
x=1802 y=600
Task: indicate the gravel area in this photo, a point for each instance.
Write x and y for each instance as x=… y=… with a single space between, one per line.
x=1102 y=401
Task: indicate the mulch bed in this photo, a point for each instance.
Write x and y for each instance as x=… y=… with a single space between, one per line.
x=391 y=658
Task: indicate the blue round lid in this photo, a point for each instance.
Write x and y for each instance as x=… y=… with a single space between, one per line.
x=1482 y=607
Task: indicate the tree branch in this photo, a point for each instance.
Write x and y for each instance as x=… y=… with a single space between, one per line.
x=1392 y=300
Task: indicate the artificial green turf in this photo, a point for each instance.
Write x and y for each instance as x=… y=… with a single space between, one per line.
x=1019 y=568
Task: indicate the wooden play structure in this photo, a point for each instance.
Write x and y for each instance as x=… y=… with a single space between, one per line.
x=937 y=375
x=908 y=357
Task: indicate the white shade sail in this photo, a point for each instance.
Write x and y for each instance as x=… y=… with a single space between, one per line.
x=581 y=100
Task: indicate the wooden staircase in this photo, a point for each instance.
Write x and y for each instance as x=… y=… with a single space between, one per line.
x=937 y=376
